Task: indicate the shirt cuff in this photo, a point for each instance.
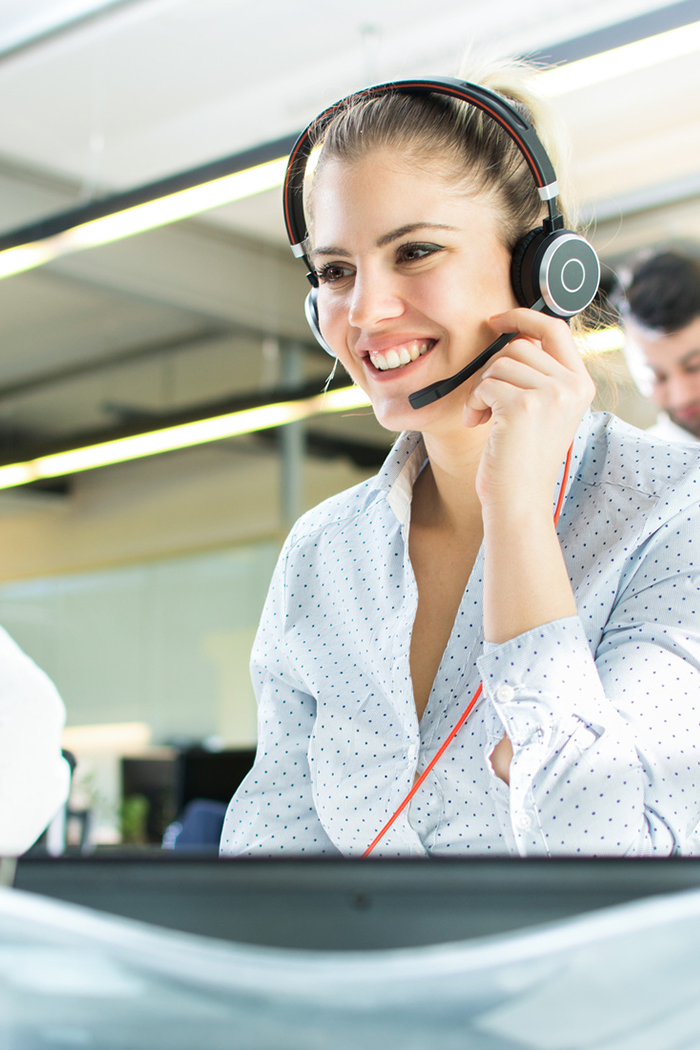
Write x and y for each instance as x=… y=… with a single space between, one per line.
x=544 y=682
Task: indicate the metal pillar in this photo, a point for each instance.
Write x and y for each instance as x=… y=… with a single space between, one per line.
x=291 y=440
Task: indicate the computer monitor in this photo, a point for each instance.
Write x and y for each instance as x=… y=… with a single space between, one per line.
x=350 y=904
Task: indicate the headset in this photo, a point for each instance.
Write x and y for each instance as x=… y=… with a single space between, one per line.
x=553 y=270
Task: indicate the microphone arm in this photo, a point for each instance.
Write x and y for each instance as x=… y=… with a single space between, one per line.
x=427 y=394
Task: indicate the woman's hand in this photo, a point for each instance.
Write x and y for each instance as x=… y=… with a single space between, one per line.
x=535 y=393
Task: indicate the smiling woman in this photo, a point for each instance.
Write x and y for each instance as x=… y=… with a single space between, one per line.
x=405 y=302
x=512 y=538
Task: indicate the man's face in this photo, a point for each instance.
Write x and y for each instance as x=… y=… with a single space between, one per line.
x=675 y=364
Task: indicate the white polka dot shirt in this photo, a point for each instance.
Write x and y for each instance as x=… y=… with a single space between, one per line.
x=602 y=709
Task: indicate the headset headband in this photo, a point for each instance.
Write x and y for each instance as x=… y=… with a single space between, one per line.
x=497 y=107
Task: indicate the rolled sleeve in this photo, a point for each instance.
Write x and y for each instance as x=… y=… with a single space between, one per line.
x=576 y=778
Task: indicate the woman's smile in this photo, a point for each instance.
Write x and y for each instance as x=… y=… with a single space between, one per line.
x=409 y=271
x=396 y=354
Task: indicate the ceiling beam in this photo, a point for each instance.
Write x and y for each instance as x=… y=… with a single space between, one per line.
x=217 y=275
x=20 y=446
x=204 y=269
x=640 y=27
x=648 y=198
x=99 y=208
x=46 y=29
x=95 y=365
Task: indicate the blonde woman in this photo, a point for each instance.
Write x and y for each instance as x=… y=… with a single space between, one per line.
x=445 y=584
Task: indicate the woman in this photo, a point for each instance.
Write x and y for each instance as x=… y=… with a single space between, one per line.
x=393 y=601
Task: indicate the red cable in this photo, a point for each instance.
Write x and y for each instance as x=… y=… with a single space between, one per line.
x=562 y=487
x=472 y=703
x=428 y=769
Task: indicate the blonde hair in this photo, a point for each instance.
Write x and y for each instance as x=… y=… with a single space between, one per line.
x=454 y=138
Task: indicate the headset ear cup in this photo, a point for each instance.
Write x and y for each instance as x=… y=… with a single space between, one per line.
x=311 y=311
x=568 y=273
x=559 y=267
x=522 y=274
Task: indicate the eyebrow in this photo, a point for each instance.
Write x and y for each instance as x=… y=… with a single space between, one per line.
x=689 y=356
x=411 y=228
x=387 y=238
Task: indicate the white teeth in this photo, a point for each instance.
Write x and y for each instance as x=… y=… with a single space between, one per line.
x=402 y=356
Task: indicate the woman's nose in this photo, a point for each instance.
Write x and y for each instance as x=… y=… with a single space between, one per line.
x=374 y=299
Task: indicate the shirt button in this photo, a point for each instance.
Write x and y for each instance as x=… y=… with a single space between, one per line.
x=523 y=822
x=505 y=693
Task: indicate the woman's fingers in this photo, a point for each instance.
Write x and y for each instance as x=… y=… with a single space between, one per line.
x=545 y=359
x=528 y=367
x=535 y=393
x=552 y=333
x=540 y=371
x=531 y=370
x=473 y=416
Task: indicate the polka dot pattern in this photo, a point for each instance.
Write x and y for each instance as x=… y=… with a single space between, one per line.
x=603 y=709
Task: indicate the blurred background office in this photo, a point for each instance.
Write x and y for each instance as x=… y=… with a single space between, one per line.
x=134 y=571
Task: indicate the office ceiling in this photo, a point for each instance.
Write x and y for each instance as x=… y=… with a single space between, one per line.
x=102 y=96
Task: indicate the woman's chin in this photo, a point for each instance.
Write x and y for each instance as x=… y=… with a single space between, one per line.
x=396 y=414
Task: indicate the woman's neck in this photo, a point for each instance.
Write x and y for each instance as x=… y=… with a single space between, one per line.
x=445 y=493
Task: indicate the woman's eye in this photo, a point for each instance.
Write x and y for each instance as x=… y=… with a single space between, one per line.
x=332 y=272
x=414 y=252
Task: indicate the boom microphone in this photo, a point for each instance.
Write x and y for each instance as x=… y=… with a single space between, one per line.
x=427 y=394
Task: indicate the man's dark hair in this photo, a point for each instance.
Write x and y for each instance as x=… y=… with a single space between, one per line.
x=663 y=291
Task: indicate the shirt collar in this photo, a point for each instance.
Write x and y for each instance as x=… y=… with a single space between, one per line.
x=408 y=455
x=399 y=472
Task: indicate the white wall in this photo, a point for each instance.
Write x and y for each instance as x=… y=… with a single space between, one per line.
x=140 y=592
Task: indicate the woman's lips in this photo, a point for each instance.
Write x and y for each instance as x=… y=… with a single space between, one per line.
x=400 y=354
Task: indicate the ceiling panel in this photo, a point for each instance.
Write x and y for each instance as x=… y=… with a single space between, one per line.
x=21 y=24
x=152 y=87
x=48 y=322
x=635 y=130
x=163 y=85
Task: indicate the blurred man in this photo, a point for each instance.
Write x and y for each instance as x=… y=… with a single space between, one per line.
x=660 y=307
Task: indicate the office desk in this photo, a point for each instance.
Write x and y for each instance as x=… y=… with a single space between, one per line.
x=292 y=955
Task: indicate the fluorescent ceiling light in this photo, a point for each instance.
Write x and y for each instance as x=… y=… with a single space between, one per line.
x=184 y=435
x=602 y=341
x=262 y=168
x=146 y=207
x=641 y=54
x=146 y=216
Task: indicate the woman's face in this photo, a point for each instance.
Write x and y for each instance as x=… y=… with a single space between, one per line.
x=409 y=273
